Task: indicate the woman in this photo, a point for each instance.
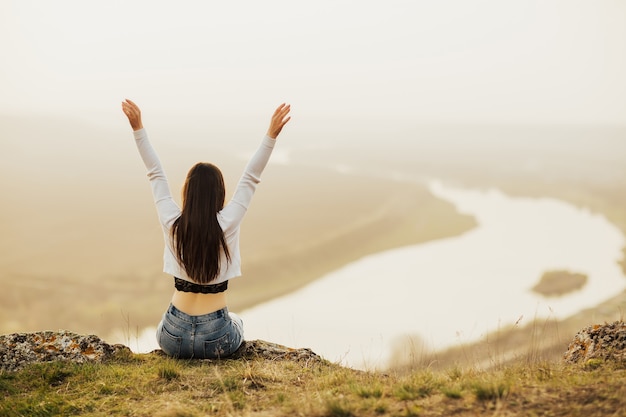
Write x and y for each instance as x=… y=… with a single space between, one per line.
x=202 y=245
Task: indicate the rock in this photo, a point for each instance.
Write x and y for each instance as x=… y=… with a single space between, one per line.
x=606 y=342
x=20 y=349
x=253 y=349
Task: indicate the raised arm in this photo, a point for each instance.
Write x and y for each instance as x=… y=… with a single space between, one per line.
x=167 y=209
x=238 y=205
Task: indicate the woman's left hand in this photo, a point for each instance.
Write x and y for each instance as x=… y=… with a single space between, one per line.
x=279 y=119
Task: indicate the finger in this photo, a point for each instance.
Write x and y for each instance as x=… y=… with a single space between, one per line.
x=279 y=109
x=283 y=112
x=283 y=116
x=279 y=126
x=132 y=105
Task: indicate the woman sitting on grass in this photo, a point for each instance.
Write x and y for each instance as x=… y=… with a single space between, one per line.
x=202 y=245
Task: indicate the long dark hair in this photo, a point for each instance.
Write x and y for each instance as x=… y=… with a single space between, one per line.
x=197 y=236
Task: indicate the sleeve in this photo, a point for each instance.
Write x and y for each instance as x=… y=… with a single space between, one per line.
x=236 y=208
x=167 y=208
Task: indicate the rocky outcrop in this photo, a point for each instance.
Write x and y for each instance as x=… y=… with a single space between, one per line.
x=20 y=349
x=271 y=351
x=606 y=342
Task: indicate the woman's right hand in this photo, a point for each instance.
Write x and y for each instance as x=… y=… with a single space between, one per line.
x=279 y=119
x=131 y=110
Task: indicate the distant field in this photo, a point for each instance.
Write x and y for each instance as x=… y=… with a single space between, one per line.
x=82 y=247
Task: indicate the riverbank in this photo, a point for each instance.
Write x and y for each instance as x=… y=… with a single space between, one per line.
x=588 y=191
x=538 y=341
x=338 y=220
x=583 y=166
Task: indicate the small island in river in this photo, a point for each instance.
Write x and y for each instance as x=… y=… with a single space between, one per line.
x=557 y=283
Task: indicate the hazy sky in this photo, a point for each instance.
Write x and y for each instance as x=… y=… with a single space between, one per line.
x=339 y=62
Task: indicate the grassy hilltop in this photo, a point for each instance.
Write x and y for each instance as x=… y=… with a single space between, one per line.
x=153 y=385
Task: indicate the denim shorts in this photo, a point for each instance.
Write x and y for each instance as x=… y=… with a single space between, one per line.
x=209 y=336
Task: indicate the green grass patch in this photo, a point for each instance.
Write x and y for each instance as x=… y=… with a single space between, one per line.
x=152 y=385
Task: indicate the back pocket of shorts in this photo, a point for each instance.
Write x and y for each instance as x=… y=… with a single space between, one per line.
x=169 y=343
x=218 y=348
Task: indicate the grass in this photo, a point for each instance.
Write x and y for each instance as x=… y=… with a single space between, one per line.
x=153 y=385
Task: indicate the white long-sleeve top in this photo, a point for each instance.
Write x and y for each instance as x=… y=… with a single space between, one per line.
x=229 y=217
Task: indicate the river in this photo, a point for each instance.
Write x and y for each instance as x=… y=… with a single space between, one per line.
x=451 y=290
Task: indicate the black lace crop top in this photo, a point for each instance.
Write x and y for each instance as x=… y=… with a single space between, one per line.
x=186 y=286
